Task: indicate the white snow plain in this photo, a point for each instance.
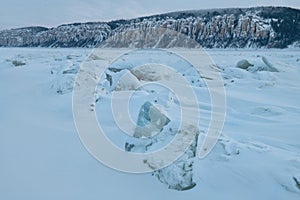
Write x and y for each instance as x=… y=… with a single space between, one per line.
x=41 y=156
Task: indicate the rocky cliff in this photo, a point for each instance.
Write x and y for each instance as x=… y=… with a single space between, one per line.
x=271 y=27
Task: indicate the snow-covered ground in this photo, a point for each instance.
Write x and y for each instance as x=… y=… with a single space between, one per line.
x=42 y=157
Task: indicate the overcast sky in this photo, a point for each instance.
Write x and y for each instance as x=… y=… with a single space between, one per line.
x=19 y=13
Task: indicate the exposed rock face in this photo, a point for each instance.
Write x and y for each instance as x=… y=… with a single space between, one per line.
x=275 y=27
x=21 y=37
x=72 y=35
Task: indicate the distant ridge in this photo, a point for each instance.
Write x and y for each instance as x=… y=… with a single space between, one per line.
x=257 y=27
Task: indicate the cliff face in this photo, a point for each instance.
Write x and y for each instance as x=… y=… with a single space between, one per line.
x=271 y=27
x=72 y=35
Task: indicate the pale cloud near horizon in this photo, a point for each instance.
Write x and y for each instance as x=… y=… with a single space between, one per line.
x=50 y=13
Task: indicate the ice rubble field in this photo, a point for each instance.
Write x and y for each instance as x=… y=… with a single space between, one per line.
x=41 y=156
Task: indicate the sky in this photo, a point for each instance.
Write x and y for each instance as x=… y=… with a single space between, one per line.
x=51 y=13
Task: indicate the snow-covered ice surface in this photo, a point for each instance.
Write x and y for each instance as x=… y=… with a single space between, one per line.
x=41 y=156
